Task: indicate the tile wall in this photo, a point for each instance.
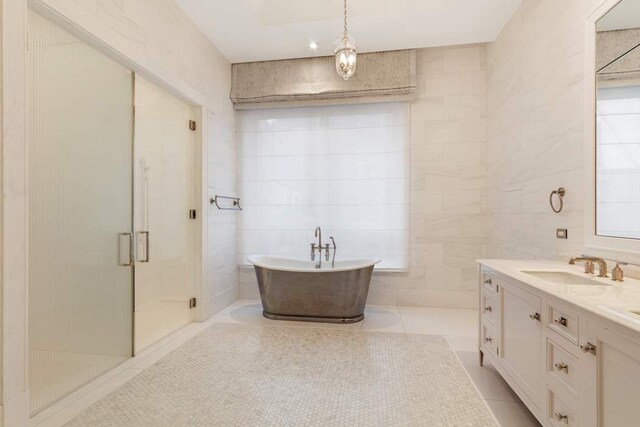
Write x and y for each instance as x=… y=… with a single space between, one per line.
x=535 y=86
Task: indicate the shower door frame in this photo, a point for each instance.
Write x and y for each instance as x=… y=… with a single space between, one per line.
x=14 y=393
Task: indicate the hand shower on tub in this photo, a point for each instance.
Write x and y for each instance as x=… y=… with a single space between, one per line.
x=333 y=261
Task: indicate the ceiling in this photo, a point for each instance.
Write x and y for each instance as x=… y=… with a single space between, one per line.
x=256 y=30
x=624 y=15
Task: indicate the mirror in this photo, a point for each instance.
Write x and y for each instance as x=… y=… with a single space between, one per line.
x=618 y=121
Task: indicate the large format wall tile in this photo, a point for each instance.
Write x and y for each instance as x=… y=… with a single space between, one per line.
x=535 y=102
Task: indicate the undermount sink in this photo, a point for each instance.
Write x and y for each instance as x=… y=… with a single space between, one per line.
x=564 y=278
x=631 y=314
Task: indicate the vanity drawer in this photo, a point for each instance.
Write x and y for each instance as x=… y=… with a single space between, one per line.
x=488 y=338
x=488 y=307
x=562 y=366
x=560 y=413
x=564 y=322
x=488 y=282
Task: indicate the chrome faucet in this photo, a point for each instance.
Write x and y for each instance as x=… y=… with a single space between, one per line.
x=602 y=264
x=319 y=247
x=318 y=234
x=333 y=260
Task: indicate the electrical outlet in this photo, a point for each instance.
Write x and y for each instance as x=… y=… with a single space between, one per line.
x=562 y=233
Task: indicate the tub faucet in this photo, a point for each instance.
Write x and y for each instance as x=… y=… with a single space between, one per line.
x=318 y=234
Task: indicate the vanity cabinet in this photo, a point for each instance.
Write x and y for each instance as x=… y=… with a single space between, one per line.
x=520 y=343
x=570 y=366
x=611 y=390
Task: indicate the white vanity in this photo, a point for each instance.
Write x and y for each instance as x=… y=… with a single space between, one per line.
x=567 y=342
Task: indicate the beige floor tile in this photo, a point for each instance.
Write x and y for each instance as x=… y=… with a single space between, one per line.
x=486 y=378
x=382 y=318
x=463 y=343
x=512 y=414
x=440 y=321
x=246 y=375
x=458 y=326
x=377 y=318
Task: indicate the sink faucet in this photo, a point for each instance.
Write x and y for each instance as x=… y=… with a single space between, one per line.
x=602 y=265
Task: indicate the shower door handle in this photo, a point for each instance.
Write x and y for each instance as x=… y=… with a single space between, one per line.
x=124 y=249
x=142 y=246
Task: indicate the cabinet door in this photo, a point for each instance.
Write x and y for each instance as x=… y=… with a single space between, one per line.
x=520 y=339
x=610 y=393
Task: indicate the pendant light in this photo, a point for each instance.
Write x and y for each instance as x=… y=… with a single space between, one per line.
x=345 y=51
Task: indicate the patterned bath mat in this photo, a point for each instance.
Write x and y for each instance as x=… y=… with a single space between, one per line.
x=239 y=375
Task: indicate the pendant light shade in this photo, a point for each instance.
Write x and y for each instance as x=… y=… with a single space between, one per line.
x=345 y=51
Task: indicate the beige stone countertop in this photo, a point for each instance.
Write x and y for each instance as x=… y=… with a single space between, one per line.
x=611 y=301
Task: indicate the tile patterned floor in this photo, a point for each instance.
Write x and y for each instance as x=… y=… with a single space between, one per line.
x=458 y=327
x=248 y=375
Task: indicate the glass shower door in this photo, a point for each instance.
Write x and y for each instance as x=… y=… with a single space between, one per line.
x=164 y=192
x=80 y=212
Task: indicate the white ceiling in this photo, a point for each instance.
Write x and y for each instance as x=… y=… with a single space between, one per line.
x=624 y=15
x=255 y=30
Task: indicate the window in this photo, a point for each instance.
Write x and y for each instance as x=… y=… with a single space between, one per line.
x=343 y=168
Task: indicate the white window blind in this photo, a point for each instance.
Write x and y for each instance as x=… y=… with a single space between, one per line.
x=343 y=168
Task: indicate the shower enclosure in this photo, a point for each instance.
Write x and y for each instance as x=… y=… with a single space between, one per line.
x=109 y=200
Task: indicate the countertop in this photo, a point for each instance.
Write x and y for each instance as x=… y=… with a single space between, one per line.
x=610 y=301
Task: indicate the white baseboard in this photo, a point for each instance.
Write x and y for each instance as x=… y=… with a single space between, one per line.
x=219 y=301
x=16 y=411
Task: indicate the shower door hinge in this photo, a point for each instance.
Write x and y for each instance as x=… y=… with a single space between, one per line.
x=192 y=214
x=192 y=303
x=192 y=124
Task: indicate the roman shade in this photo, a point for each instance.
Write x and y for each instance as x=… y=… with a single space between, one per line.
x=381 y=77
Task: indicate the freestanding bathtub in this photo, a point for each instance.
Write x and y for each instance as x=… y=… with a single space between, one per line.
x=296 y=290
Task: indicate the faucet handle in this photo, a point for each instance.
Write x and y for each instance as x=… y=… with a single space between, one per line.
x=326 y=252
x=589 y=268
x=617 y=275
x=313 y=252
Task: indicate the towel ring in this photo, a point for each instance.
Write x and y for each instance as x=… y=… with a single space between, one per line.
x=560 y=192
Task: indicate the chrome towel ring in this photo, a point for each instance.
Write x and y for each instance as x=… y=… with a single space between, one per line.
x=560 y=192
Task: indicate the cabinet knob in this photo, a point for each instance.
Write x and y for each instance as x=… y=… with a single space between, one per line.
x=562 y=321
x=561 y=417
x=487 y=281
x=488 y=308
x=488 y=339
x=562 y=367
x=588 y=348
x=535 y=316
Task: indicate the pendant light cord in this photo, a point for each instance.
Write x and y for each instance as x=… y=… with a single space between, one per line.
x=345 y=18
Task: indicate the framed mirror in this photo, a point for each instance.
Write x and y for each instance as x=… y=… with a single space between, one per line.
x=612 y=163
